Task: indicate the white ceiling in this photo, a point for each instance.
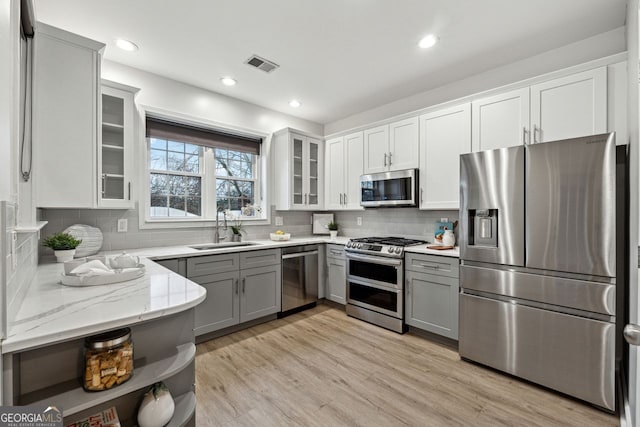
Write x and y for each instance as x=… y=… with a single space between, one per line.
x=338 y=57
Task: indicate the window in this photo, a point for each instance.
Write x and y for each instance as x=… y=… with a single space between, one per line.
x=195 y=172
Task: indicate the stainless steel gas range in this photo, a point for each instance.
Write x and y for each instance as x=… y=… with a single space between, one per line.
x=375 y=280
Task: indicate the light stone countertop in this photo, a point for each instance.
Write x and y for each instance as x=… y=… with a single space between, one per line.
x=422 y=249
x=52 y=312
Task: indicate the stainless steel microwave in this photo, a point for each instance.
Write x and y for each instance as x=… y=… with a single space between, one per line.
x=389 y=189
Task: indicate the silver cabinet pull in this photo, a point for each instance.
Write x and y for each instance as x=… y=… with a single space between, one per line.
x=129 y=190
x=408 y=287
x=390 y=158
x=341 y=199
x=104 y=179
x=421 y=196
x=434 y=267
x=536 y=132
x=345 y=198
x=334 y=252
x=244 y=283
x=632 y=334
x=524 y=135
x=236 y=286
x=385 y=159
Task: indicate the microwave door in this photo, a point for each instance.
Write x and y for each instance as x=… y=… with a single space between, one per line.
x=388 y=189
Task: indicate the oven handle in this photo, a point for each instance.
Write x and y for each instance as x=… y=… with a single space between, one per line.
x=365 y=282
x=375 y=259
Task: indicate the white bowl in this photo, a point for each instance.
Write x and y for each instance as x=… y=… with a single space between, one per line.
x=279 y=237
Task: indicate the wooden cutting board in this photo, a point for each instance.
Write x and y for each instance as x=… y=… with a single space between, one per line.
x=439 y=247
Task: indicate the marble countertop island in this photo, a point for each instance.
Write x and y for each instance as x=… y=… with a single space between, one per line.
x=52 y=312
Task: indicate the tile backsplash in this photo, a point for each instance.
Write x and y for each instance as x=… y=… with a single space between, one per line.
x=410 y=222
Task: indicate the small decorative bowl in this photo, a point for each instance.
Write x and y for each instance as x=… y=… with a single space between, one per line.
x=279 y=237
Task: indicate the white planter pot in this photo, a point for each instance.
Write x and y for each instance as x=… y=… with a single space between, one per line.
x=63 y=256
x=333 y=233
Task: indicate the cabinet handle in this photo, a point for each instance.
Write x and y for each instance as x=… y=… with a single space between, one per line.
x=385 y=159
x=536 y=131
x=524 y=135
x=104 y=178
x=434 y=267
x=390 y=158
x=237 y=286
x=334 y=252
x=345 y=198
x=341 y=199
x=129 y=190
x=421 y=196
x=244 y=283
x=408 y=287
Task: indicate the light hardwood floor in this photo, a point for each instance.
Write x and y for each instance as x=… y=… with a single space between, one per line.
x=322 y=368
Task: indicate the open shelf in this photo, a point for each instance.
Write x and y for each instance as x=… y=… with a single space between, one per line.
x=113 y=175
x=73 y=398
x=32 y=229
x=185 y=408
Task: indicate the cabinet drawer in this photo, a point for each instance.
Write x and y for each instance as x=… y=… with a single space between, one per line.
x=254 y=259
x=335 y=251
x=432 y=264
x=211 y=264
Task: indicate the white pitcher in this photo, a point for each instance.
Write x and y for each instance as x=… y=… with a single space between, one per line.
x=449 y=239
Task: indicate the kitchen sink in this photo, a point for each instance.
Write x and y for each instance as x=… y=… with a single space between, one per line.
x=209 y=246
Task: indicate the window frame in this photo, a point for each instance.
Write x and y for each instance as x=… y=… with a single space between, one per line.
x=208 y=179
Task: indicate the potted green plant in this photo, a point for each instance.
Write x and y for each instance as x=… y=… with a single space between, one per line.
x=333 y=229
x=63 y=244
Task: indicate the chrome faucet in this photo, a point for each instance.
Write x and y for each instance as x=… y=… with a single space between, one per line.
x=216 y=235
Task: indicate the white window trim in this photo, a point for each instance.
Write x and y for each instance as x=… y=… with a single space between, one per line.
x=147 y=222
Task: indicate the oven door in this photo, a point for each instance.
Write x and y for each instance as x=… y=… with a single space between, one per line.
x=396 y=188
x=375 y=283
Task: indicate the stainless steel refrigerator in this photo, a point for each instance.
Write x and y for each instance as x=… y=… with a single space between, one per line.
x=538 y=264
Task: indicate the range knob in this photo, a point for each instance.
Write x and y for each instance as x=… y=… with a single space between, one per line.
x=348 y=244
x=390 y=250
x=359 y=245
x=398 y=250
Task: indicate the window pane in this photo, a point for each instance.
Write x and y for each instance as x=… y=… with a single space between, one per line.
x=234 y=205
x=192 y=164
x=221 y=189
x=191 y=149
x=234 y=188
x=159 y=206
x=177 y=185
x=193 y=186
x=176 y=146
x=177 y=206
x=221 y=167
x=160 y=144
x=194 y=206
x=158 y=160
x=175 y=161
x=158 y=184
x=246 y=189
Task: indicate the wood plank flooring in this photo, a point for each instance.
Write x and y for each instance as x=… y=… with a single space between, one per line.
x=322 y=368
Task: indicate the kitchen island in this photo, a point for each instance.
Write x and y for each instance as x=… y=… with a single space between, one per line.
x=43 y=353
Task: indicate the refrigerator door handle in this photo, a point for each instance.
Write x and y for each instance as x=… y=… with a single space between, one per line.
x=632 y=334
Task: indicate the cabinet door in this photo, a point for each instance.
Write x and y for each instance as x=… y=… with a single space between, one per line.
x=260 y=293
x=65 y=123
x=444 y=135
x=221 y=308
x=335 y=174
x=353 y=162
x=337 y=283
x=376 y=149
x=570 y=107
x=312 y=176
x=115 y=148
x=403 y=144
x=432 y=303
x=501 y=121
x=298 y=187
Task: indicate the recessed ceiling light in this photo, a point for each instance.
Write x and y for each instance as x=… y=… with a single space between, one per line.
x=228 y=81
x=127 y=45
x=428 y=41
x=294 y=103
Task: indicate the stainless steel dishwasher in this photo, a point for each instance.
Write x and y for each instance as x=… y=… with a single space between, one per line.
x=299 y=278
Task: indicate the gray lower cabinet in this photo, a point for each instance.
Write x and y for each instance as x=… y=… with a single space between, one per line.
x=336 y=284
x=240 y=287
x=431 y=294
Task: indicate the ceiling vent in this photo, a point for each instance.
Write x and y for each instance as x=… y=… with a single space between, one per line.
x=261 y=63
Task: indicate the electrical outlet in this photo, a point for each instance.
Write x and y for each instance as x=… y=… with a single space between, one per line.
x=279 y=220
x=444 y=219
x=359 y=220
x=122 y=225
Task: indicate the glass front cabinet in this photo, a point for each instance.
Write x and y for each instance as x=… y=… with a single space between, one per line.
x=115 y=149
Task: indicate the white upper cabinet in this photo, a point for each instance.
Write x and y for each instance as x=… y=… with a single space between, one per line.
x=65 y=118
x=344 y=161
x=501 y=121
x=403 y=144
x=391 y=147
x=561 y=108
x=444 y=135
x=298 y=169
x=115 y=153
x=570 y=107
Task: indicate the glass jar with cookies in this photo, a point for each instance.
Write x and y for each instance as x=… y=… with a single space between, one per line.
x=108 y=360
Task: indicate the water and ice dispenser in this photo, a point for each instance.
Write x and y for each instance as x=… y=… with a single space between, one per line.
x=483 y=227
